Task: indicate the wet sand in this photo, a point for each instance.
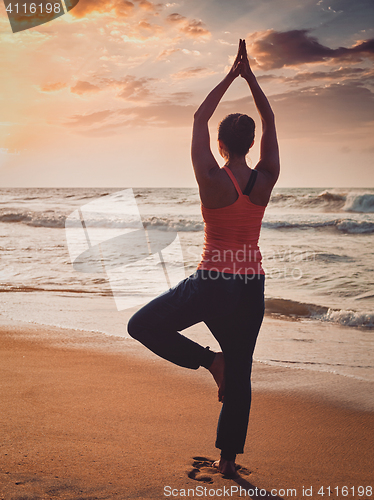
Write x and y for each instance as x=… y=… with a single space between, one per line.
x=93 y=419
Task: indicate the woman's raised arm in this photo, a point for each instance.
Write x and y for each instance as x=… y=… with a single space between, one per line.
x=269 y=163
x=202 y=157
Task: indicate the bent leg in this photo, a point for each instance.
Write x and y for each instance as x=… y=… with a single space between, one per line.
x=157 y=324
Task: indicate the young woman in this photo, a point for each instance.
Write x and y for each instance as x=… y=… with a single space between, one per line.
x=227 y=290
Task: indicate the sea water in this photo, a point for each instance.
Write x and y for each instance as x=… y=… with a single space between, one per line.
x=317 y=247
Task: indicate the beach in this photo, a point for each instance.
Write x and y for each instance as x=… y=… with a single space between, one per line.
x=109 y=202
x=86 y=416
x=89 y=413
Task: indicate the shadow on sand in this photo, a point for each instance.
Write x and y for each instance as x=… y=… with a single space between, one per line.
x=203 y=471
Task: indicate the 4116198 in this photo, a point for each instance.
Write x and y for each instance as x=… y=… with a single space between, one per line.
x=345 y=491
x=32 y=8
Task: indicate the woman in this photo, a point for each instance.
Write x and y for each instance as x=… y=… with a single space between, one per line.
x=227 y=290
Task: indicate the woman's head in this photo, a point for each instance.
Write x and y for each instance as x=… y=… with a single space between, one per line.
x=236 y=133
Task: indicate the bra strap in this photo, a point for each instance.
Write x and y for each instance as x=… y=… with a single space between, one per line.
x=234 y=181
x=251 y=183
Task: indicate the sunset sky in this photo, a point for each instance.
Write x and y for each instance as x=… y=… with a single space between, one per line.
x=105 y=95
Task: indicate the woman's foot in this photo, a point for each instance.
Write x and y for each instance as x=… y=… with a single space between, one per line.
x=217 y=369
x=226 y=467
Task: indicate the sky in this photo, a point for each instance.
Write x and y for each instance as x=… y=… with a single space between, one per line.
x=104 y=96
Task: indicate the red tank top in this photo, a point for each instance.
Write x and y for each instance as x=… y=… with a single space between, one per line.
x=231 y=236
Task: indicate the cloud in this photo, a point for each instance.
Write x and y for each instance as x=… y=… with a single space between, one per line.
x=273 y=49
x=53 y=87
x=198 y=72
x=359 y=76
x=176 y=18
x=165 y=115
x=268 y=78
x=342 y=74
x=166 y=53
x=149 y=6
x=191 y=52
x=130 y=87
x=122 y=8
x=181 y=96
x=107 y=122
x=330 y=111
x=190 y=27
x=333 y=113
x=81 y=88
x=89 y=119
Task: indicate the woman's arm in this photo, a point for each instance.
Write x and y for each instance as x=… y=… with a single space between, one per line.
x=202 y=157
x=269 y=163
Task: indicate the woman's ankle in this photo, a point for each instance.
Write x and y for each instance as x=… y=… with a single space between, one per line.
x=228 y=456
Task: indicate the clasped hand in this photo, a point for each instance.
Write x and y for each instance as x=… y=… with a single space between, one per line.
x=241 y=64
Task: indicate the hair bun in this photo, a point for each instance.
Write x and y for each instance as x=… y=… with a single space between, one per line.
x=243 y=123
x=237 y=132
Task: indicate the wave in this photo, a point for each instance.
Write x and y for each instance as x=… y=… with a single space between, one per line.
x=53 y=220
x=34 y=219
x=293 y=309
x=332 y=257
x=363 y=203
x=343 y=225
x=182 y=225
x=91 y=196
x=296 y=310
x=350 y=318
x=327 y=200
x=275 y=307
x=75 y=291
x=177 y=224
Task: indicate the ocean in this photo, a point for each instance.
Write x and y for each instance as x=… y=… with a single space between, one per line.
x=317 y=248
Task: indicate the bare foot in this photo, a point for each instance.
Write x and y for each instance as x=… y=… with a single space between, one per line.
x=217 y=369
x=226 y=467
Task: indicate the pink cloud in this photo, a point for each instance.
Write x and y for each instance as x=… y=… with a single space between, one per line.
x=84 y=88
x=190 y=27
x=273 y=49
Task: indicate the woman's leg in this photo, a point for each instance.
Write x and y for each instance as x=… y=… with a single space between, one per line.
x=237 y=334
x=232 y=307
x=157 y=324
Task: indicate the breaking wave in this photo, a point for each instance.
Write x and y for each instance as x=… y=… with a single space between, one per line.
x=54 y=220
x=34 y=219
x=328 y=200
x=182 y=225
x=342 y=225
x=296 y=310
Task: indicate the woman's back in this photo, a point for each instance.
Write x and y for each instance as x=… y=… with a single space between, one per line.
x=231 y=234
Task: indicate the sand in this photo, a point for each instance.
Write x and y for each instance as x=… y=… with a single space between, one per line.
x=97 y=419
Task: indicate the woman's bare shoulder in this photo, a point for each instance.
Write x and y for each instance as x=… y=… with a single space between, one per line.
x=262 y=189
x=218 y=191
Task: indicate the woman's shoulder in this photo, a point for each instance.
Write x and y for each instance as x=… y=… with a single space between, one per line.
x=262 y=189
x=218 y=191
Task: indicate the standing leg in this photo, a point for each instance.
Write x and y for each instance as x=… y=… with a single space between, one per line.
x=237 y=334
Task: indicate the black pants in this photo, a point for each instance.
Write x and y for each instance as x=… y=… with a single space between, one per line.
x=232 y=306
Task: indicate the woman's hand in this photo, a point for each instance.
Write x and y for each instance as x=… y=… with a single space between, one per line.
x=245 y=69
x=235 y=70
